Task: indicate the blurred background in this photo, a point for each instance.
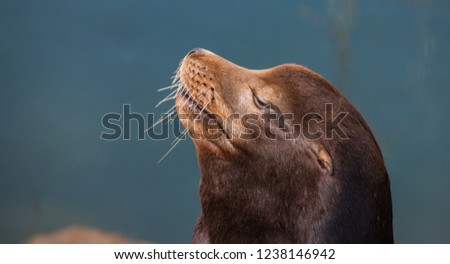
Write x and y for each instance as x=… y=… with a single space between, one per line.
x=64 y=64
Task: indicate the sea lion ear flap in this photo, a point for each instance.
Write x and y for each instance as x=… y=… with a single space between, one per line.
x=324 y=159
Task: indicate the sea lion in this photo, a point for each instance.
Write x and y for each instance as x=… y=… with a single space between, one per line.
x=260 y=187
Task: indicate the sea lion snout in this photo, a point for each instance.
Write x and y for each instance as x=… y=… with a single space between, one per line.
x=198 y=81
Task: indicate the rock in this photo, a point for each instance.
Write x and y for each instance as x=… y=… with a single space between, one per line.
x=78 y=234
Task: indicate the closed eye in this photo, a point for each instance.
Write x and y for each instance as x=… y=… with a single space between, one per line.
x=259 y=103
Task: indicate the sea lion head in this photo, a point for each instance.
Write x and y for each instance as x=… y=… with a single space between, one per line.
x=229 y=110
x=284 y=155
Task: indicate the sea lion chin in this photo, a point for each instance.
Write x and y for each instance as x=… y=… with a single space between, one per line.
x=272 y=172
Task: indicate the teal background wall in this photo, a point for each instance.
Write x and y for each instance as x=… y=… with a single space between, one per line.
x=64 y=64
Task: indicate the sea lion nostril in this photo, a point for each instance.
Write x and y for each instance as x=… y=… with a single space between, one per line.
x=192 y=52
x=196 y=51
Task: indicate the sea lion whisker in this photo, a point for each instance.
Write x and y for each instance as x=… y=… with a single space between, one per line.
x=170 y=87
x=189 y=98
x=184 y=132
x=204 y=107
x=167 y=99
x=176 y=76
x=178 y=139
x=164 y=117
x=171 y=96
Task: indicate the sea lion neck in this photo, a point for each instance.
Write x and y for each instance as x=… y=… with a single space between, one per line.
x=257 y=202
